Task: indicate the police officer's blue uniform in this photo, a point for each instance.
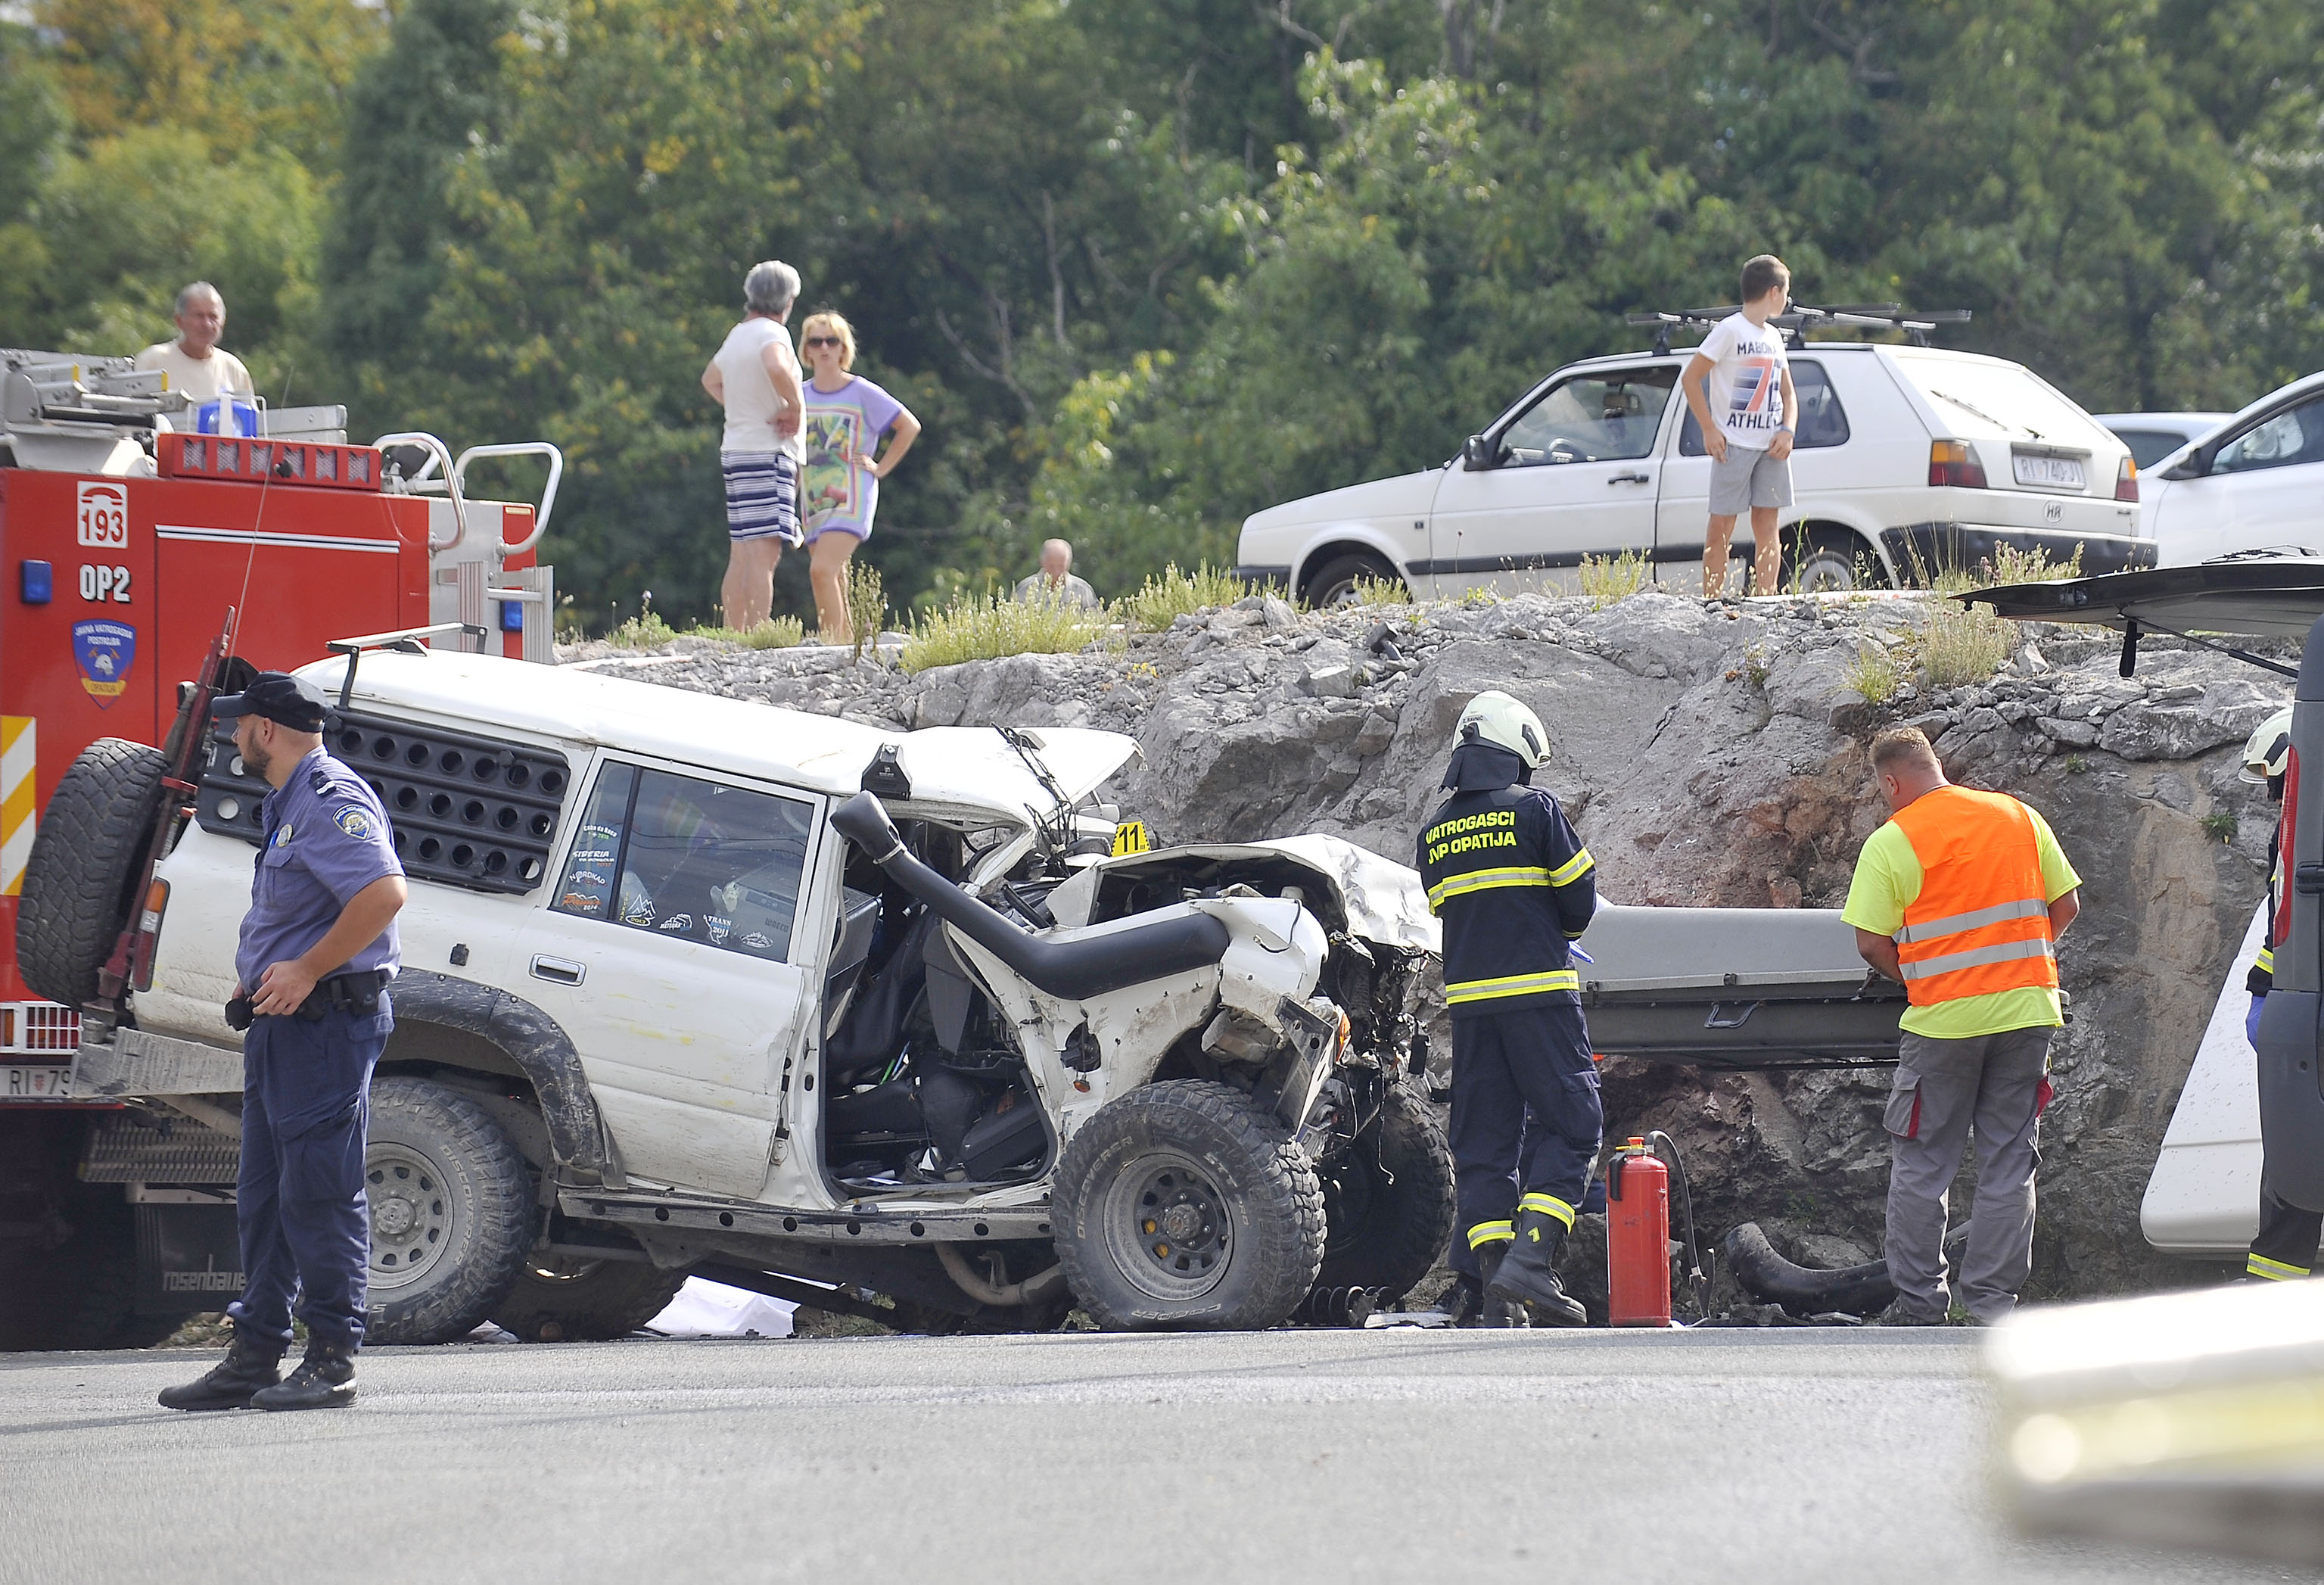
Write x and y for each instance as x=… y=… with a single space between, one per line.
x=304 y=1218
x=306 y=1077
x=1514 y=887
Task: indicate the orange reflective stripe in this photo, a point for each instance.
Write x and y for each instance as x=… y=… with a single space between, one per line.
x=1980 y=924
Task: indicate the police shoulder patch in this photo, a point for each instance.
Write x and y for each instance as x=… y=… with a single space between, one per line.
x=353 y=821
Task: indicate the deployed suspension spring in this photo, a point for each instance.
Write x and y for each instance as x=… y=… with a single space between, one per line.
x=1349 y=1307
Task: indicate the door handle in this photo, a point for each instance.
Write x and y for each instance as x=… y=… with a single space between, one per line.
x=558 y=971
x=1630 y=479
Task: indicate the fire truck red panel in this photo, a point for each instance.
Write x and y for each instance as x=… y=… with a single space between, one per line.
x=142 y=573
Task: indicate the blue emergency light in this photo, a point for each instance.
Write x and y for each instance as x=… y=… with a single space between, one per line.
x=511 y=615
x=36 y=582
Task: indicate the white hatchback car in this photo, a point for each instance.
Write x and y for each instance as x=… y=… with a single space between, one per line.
x=1909 y=460
x=2153 y=436
x=2254 y=483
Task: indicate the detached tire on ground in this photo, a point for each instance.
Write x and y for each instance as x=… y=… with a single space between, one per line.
x=1388 y=1204
x=1186 y=1205
x=81 y=878
x=557 y=1299
x=451 y=1213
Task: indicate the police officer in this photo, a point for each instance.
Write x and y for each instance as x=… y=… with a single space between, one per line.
x=317 y=948
x=1514 y=887
x=2285 y=1247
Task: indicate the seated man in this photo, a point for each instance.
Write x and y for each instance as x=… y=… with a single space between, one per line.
x=196 y=364
x=1056 y=581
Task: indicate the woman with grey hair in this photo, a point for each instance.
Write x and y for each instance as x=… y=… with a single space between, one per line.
x=755 y=377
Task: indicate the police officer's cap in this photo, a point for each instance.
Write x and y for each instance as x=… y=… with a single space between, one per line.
x=278 y=697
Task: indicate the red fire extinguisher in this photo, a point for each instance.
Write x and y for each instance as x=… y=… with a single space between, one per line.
x=1637 y=1237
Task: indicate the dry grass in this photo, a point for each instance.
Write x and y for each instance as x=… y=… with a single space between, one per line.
x=988 y=627
x=1608 y=578
x=867 y=608
x=646 y=630
x=774 y=633
x=1877 y=673
x=1173 y=594
x=1381 y=591
x=1964 y=644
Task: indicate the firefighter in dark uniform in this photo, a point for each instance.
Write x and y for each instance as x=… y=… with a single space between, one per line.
x=317 y=948
x=1513 y=887
x=2286 y=1247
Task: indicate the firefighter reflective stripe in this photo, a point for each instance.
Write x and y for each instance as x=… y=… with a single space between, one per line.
x=1514 y=985
x=17 y=765
x=1573 y=869
x=1486 y=880
x=1484 y=1232
x=2260 y=1266
x=2266 y=959
x=1977 y=919
x=1549 y=1205
x=1976 y=957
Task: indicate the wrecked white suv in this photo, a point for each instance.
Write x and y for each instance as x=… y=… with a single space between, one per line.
x=697 y=984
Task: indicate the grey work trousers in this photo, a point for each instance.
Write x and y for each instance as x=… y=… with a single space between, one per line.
x=1996 y=1085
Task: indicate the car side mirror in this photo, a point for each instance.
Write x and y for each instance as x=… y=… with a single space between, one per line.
x=2198 y=464
x=1478 y=454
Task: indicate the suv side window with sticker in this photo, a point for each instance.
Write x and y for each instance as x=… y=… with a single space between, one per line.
x=1820 y=422
x=691 y=858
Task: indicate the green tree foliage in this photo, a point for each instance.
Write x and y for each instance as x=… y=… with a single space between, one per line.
x=1144 y=267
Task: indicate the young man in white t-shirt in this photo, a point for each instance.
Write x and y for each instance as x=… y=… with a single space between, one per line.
x=195 y=362
x=1750 y=440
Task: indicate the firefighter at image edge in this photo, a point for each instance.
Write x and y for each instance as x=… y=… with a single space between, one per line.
x=2287 y=1236
x=317 y=948
x=1515 y=888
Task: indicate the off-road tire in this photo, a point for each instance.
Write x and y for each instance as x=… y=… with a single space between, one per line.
x=81 y=878
x=436 y=1161
x=609 y=1299
x=1389 y=1202
x=1334 y=582
x=1249 y=1190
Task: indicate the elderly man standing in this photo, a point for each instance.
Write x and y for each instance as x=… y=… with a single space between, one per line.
x=1055 y=582
x=1961 y=896
x=195 y=362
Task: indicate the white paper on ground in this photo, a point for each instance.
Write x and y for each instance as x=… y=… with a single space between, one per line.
x=713 y=1310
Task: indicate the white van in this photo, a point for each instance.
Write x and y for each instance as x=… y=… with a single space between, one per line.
x=1909 y=460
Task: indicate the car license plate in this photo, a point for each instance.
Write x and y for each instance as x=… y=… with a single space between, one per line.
x=2048 y=473
x=26 y=1081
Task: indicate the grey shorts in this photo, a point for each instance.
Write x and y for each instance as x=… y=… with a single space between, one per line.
x=1748 y=478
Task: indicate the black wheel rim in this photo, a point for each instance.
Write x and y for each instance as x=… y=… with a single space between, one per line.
x=1167 y=1229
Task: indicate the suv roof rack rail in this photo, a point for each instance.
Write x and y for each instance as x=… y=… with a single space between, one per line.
x=1916 y=323
x=406 y=639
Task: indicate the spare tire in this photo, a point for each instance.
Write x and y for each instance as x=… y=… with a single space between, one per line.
x=86 y=861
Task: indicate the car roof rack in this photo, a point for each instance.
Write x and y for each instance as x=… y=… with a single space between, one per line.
x=404 y=639
x=1916 y=323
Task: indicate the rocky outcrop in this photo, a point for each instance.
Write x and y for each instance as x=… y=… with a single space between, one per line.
x=1711 y=755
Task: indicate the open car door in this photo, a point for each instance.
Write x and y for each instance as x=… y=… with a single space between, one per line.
x=2210 y=604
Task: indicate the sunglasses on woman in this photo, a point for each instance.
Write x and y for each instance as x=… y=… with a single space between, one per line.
x=824 y=342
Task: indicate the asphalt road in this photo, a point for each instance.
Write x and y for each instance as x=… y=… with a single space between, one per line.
x=1798 y=1457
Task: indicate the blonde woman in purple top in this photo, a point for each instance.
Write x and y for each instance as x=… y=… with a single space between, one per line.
x=840 y=488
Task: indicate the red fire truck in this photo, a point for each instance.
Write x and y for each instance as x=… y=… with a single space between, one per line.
x=135 y=527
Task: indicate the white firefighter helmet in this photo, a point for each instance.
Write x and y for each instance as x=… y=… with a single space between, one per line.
x=2270 y=746
x=1495 y=717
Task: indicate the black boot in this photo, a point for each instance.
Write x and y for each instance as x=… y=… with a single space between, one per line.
x=324 y=1379
x=1528 y=1274
x=251 y=1365
x=1494 y=1311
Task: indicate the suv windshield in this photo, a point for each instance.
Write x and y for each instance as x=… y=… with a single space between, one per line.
x=689 y=859
x=1998 y=400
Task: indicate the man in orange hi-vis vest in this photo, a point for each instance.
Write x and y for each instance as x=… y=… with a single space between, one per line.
x=1961 y=896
